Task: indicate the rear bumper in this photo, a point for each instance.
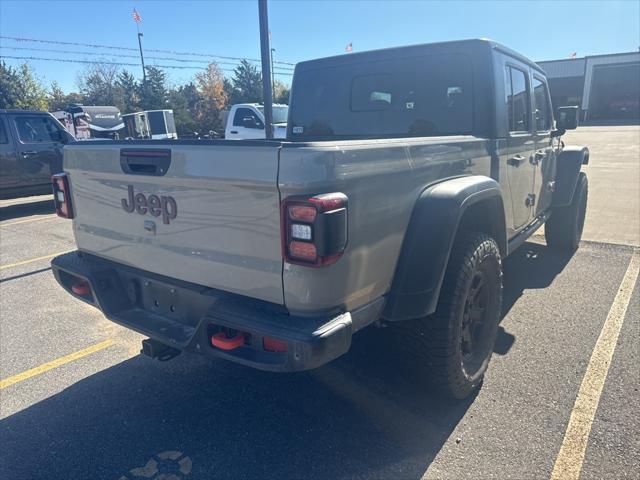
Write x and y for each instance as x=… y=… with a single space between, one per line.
x=185 y=316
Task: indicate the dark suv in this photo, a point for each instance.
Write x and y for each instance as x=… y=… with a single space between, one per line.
x=30 y=152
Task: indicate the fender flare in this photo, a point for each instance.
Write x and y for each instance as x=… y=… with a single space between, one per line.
x=429 y=239
x=568 y=166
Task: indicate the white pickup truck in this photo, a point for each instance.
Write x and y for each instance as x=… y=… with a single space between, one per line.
x=246 y=121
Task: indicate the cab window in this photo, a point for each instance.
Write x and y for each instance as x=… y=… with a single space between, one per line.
x=37 y=129
x=243 y=117
x=518 y=103
x=542 y=112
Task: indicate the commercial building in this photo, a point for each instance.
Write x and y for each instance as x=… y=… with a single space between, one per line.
x=605 y=87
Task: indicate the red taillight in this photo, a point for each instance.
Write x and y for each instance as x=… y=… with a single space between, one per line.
x=62 y=195
x=303 y=251
x=302 y=213
x=314 y=229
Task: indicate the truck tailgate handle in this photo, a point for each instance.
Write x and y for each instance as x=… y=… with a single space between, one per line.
x=149 y=161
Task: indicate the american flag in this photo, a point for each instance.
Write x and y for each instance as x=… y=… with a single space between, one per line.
x=136 y=16
x=349 y=47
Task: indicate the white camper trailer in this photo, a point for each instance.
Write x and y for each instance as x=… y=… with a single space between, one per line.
x=150 y=124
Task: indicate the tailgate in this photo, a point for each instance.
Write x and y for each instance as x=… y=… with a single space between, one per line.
x=203 y=213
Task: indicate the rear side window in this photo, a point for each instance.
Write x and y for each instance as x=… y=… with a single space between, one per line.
x=399 y=97
x=518 y=103
x=542 y=112
x=37 y=129
x=3 y=133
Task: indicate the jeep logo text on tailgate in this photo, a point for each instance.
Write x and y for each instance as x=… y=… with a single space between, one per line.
x=155 y=205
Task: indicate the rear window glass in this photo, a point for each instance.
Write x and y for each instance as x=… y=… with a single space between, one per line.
x=406 y=97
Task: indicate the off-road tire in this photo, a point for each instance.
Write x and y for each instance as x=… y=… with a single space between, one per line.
x=563 y=230
x=432 y=347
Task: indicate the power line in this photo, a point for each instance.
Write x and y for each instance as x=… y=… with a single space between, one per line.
x=113 y=47
x=75 y=52
x=121 y=64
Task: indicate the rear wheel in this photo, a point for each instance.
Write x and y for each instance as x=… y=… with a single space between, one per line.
x=563 y=230
x=451 y=349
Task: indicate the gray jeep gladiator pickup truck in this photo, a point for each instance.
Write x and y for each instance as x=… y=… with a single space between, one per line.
x=407 y=175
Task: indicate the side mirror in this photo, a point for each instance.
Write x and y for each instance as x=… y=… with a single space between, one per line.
x=567 y=118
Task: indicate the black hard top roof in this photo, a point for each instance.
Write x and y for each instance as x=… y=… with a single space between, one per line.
x=419 y=48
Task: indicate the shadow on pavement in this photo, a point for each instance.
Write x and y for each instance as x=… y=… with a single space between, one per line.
x=352 y=418
x=19 y=210
x=531 y=266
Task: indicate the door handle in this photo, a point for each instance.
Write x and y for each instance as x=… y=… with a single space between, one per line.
x=30 y=152
x=234 y=131
x=516 y=160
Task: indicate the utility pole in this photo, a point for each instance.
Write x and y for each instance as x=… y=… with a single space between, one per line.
x=273 y=81
x=266 y=68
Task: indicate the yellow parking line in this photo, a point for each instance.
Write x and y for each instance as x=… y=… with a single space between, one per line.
x=45 y=367
x=39 y=219
x=571 y=456
x=24 y=262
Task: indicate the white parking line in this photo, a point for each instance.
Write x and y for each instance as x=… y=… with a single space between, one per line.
x=574 y=445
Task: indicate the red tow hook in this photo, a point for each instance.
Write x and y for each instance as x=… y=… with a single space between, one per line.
x=221 y=341
x=81 y=288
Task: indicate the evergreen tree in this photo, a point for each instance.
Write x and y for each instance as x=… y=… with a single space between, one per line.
x=246 y=84
x=184 y=100
x=19 y=88
x=154 y=92
x=128 y=99
x=9 y=86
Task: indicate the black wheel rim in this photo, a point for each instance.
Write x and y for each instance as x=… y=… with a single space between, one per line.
x=473 y=339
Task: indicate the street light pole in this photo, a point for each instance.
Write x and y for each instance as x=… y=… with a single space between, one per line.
x=144 y=73
x=266 y=68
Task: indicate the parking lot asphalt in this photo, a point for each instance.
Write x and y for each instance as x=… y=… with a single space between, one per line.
x=83 y=404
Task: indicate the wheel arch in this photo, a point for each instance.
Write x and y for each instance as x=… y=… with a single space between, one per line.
x=440 y=214
x=568 y=164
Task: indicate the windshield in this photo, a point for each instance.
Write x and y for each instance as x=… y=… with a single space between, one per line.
x=279 y=114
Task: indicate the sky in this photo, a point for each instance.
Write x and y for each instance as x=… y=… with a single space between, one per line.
x=302 y=30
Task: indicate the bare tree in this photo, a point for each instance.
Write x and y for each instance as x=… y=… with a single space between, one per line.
x=97 y=83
